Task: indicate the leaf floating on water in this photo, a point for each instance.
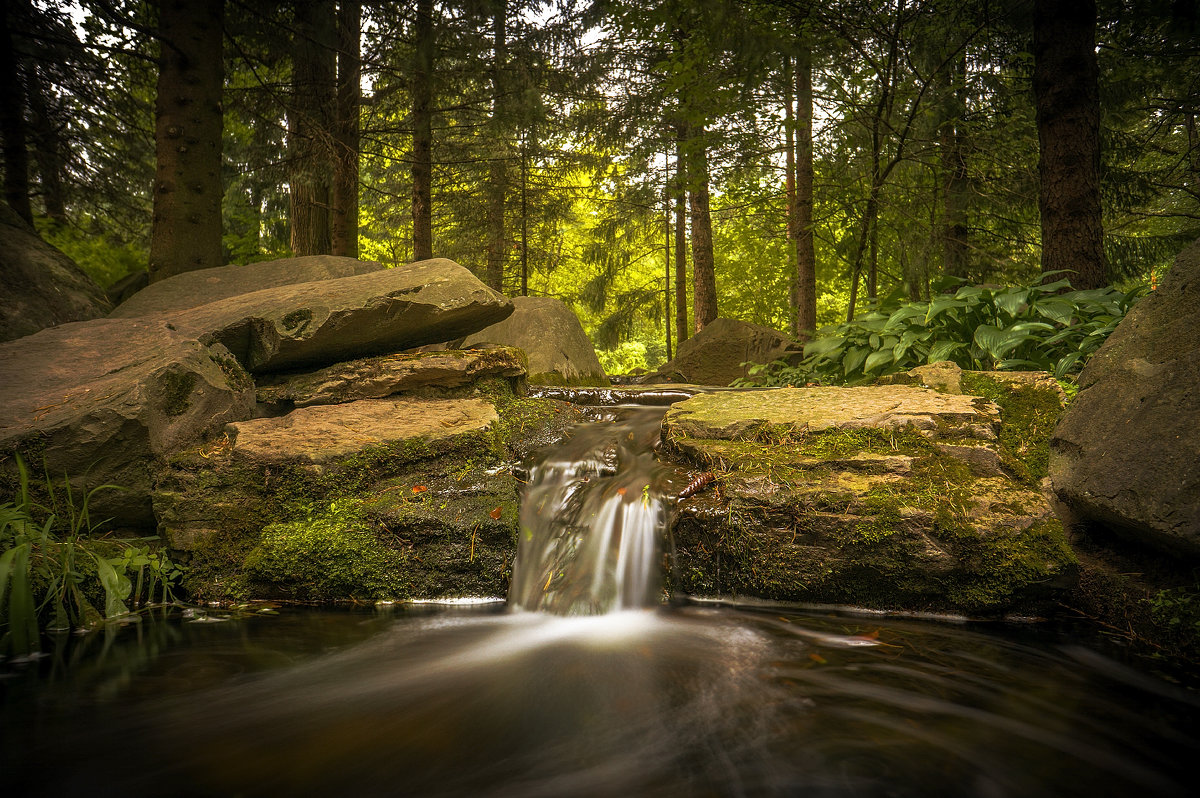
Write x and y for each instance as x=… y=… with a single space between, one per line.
x=419 y=488
x=495 y=514
x=620 y=491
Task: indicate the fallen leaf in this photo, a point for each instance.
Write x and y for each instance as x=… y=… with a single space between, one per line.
x=817 y=658
x=419 y=488
x=495 y=513
x=620 y=491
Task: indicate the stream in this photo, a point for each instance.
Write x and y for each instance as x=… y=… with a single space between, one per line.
x=584 y=683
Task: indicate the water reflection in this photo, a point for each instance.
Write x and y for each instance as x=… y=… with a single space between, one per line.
x=688 y=701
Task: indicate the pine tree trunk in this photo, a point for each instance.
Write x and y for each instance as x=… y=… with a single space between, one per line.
x=806 y=258
x=681 y=279
x=314 y=89
x=955 y=188
x=185 y=231
x=789 y=187
x=47 y=149
x=422 y=149
x=497 y=186
x=704 y=281
x=344 y=221
x=12 y=121
x=1066 y=87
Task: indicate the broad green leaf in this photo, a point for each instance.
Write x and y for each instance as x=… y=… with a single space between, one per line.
x=1011 y=300
x=1056 y=310
x=1064 y=366
x=941 y=304
x=853 y=359
x=877 y=359
x=997 y=342
x=822 y=346
x=116 y=588
x=942 y=350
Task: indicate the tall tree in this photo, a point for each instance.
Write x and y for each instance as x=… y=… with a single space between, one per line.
x=186 y=226
x=951 y=148
x=422 y=120
x=497 y=187
x=1066 y=87
x=805 y=303
x=310 y=126
x=12 y=119
x=681 y=294
x=344 y=220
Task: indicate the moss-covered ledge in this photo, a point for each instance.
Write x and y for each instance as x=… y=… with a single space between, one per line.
x=421 y=509
x=886 y=496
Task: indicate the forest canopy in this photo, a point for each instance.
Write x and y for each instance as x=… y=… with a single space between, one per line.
x=654 y=164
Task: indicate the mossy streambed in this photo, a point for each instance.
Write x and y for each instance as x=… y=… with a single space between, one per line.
x=702 y=699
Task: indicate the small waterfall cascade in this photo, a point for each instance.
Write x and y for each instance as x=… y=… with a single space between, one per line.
x=592 y=517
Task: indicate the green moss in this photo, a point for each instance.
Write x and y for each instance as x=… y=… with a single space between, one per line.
x=237 y=377
x=177 y=387
x=1028 y=415
x=328 y=557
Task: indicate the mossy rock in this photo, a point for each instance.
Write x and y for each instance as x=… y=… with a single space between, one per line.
x=849 y=505
x=424 y=515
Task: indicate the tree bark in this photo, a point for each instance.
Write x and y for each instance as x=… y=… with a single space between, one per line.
x=955 y=189
x=185 y=231
x=789 y=187
x=422 y=149
x=344 y=221
x=806 y=258
x=47 y=149
x=1066 y=88
x=704 y=280
x=681 y=279
x=497 y=186
x=12 y=121
x=314 y=89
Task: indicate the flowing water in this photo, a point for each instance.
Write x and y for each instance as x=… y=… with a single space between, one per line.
x=588 y=686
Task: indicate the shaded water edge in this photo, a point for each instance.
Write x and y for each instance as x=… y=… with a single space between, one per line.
x=697 y=700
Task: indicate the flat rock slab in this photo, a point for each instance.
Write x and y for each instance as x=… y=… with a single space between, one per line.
x=325 y=433
x=194 y=288
x=103 y=399
x=378 y=377
x=549 y=332
x=327 y=321
x=728 y=415
x=1126 y=455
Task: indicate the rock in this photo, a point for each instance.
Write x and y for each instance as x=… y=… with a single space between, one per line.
x=892 y=497
x=714 y=356
x=1126 y=455
x=102 y=400
x=324 y=322
x=559 y=351
x=201 y=286
x=377 y=377
x=738 y=414
x=396 y=498
x=127 y=286
x=325 y=433
x=42 y=286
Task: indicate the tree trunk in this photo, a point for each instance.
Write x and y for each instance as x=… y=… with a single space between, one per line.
x=422 y=149
x=789 y=188
x=497 y=186
x=12 y=121
x=185 y=231
x=314 y=89
x=1066 y=88
x=344 y=222
x=47 y=149
x=704 y=280
x=667 y=236
x=955 y=189
x=806 y=258
x=681 y=279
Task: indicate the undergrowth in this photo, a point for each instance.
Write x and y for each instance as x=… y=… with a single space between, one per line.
x=55 y=566
x=1038 y=327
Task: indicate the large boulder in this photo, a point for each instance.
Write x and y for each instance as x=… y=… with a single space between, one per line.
x=559 y=351
x=318 y=323
x=895 y=497
x=101 y=401
x=1126 y=455
x=201 y=286
x=42 y=286
x=716 y=354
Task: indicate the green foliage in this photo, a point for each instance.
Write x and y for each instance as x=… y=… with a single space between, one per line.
x=978 y=327
x=1179 y=609
x=52 y=568
x=624 y=358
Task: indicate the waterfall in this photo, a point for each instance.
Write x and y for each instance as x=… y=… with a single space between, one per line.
x=592 y=518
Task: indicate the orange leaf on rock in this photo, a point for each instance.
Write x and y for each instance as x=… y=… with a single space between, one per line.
x=495 y=513
x=419 y=488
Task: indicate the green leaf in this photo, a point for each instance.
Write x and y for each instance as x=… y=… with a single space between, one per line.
x=997 y=342
x=853 y=359
x=116 y=588
x=877 y=359
x=1064 y=365
x=823 y=346
x=1011 y=300
x=942 y=350
x=941 y=304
